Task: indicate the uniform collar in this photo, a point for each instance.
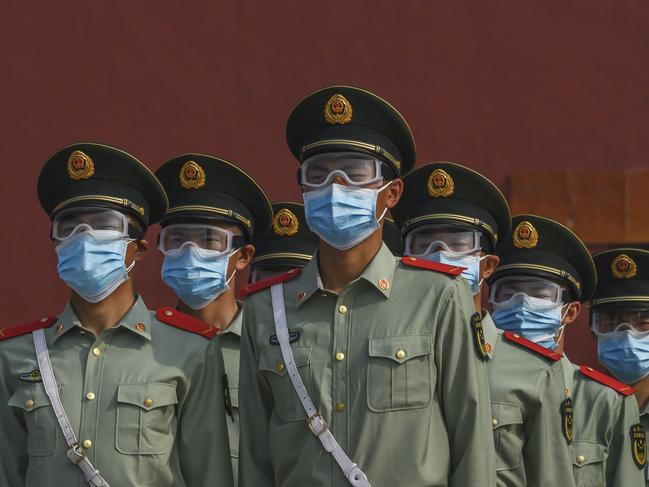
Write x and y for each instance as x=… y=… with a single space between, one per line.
x=490 y=333
x=136 y=320
x=379 y=273
x=235 y=325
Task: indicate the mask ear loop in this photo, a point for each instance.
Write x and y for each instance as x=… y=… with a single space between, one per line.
x=386 y=208
x=562 y=326
x=227 y=282
x=129 y=268
x=481 y=281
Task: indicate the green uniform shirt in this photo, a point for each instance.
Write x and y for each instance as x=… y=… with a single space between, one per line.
x=230 y=344
x=644 y=419
x=391 y=363
x=602 y=452
x=148 y=396
x=527 y=390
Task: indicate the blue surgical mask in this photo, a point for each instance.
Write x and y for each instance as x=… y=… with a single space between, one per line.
x=342 y=216
x=625 y=354
x=534 y=318
x=471 y=264
x=92 y=263
x=196 y=275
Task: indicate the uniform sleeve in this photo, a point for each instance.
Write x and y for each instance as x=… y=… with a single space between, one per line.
x=621 y=469
x=546 y=453
x=464 y=392
x=255 y=407
x=13 y=432
x=203 y=444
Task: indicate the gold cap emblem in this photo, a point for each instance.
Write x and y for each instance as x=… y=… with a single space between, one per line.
x=440 y=184
x=624 y=267
x=525 y=236
x=338 y=110
x=285 y=223
x=192 y=176
x=80 y=166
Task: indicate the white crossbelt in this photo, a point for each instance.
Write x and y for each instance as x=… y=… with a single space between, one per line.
x=315 y=421
x=75 y=451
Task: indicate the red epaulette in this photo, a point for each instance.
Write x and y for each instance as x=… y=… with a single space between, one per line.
x=264 y=283
x=607 y=380
x=530 y=345
x=185 y=322
x=451 y=270
x=17 y=330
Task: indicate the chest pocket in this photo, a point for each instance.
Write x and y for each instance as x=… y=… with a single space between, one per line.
x=39 y=418
x=271 y=364
x=588 y=463
x=399 y=373
x=145 y=417
x=507 y=423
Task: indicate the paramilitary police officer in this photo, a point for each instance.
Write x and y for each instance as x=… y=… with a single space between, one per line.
x=454 y=215
x=620 y=321
x=287 y=245
x=130 y=397
x=380 y=352
x=545 y=274
x=215 y=210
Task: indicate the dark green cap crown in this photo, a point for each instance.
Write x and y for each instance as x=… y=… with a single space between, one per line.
x=622 y=277
x=542 y=247
x=92 y=174
x=208 y=187
x=344 y=118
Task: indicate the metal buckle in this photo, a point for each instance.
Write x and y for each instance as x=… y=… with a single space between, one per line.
x=319 y=428
x=75 y=453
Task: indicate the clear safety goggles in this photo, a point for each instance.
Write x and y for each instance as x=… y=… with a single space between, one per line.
x=173 y=238
x=426 y=239
x=603 y=322
x=356 y=169
x=73 y=221
x=506 y=288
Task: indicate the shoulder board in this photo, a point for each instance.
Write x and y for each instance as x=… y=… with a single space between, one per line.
x=185 y=322
x=534 y=347
x=17 y=330
x=265 y=283
x=451 y=270
x=607 y=380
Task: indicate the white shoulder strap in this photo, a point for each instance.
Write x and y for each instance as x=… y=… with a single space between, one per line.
x=316 y=422
x=75 y=451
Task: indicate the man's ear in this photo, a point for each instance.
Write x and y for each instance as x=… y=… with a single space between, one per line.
x=574 y=308
x=141 y=247
x=244 y=256
x=489 y=265
x=393 y=193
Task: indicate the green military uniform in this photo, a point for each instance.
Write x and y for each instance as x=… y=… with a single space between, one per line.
x=601 y=413
x=142 y=395
x=623 y=284
x=208 y=189
x=526 y=382
x=390 y=361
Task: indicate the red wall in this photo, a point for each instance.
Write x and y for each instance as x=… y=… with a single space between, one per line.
x=501 y=86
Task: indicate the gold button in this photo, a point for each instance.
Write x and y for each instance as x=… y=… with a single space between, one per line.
x=59 y=327
x=96 y=352
x=43 y=320
x=148 y=402
x=29 y=403
x=90 y=396
x=488 y=348
x=384 y=284
x=342 y=309
x=494 y=422
x=140 y=327
x=412 y=259
x=168 y=313
x=301 y=295
x=87 y=444
x=516 y=335
x=340 y=356
x=581 y=459
x=589 y=369
x=340 y=407
x=401 y=354
x=279 y=367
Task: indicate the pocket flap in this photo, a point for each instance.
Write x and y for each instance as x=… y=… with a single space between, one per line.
x=147 y=396
x=505 y=414
x=586 y=453
x=29 y=397
x=401 y=348
x=271 y=360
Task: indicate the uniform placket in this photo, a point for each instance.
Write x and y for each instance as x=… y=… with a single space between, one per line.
x=91 y=395
x=340 y=373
